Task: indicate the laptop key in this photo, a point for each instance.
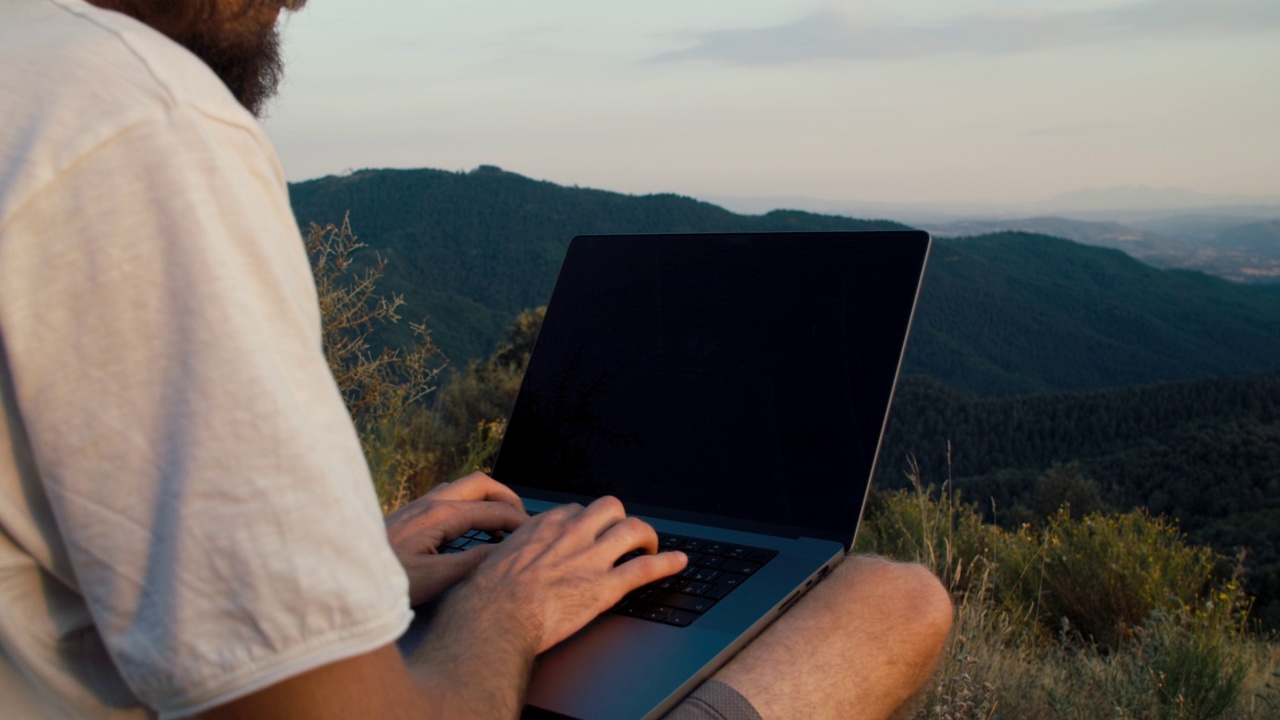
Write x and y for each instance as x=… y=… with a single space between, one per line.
x=694 y=588
x=705 y=575
x=680 y=601
x=657 y=614
x=642 y=593
x=680 y=618
x=671 y=583
x=742 y=567
x=726 y=585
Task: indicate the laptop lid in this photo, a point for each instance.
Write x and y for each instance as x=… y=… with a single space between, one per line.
x=742 y=380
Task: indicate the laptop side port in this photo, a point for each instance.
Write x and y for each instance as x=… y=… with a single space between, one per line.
x=795 y=596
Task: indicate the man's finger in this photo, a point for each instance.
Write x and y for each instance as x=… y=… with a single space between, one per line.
x=627 y=535
x=478 y=486
x=441 y=572
x=596 y=518
x=443 y=521
x=648 y=568
x=490 y=516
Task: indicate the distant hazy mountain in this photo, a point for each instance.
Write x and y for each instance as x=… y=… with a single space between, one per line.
x=1200 y=226
x=1261 y=237
x=1129 y=205
x=999 y=314
x=1127 y=199
x=1105 y=234
x=1210 y=243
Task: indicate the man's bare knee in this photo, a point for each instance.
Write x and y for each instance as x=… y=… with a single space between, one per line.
x=859 y=645
x=906 y=589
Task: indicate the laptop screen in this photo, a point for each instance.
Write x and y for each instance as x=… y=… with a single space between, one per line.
x=742 y=376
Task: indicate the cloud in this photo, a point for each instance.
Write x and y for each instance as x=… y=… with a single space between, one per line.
x=832 y=35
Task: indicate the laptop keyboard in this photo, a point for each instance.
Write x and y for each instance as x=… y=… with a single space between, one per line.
x=715 y=569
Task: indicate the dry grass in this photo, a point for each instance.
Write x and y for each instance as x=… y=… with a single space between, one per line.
x=1014 y=654
x=995 y=666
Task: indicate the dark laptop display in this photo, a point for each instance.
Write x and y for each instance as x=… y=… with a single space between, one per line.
x=704 y=377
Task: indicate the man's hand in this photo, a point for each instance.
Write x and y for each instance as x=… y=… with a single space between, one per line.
x=416 y=531
x=557 y=572
x=537 y=587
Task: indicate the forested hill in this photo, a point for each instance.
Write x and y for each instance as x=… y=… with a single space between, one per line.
x=999 y=314
x=1205 y=452
x=1015 y=313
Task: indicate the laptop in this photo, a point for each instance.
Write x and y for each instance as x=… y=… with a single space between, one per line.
x=731 y=390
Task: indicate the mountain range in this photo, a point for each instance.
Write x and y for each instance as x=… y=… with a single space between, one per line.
x=1033 y=346
x=1221 y=245
x=1001 y=313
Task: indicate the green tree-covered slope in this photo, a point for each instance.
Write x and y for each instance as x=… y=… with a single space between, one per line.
x=1000 y=314
x=1014 y=313
x=1205 y=452
x=472 y=250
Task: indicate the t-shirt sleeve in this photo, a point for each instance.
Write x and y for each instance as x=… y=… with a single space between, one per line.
x=162 y=330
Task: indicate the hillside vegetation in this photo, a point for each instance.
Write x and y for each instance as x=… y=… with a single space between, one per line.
x=1075 y=611
x=1203 y=453
x=1000 y=314
x=1101 y=616
x=474 y=249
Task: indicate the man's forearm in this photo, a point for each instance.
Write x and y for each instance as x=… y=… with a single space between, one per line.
x=475 y=660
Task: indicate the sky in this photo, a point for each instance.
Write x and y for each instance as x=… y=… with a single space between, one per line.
x=880 y=101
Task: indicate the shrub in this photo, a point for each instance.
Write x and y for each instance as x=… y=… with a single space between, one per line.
x=1197 y=671
x=931 y=526
x=378 y=387
x=1035 y=609
x=462 y=430
x=1102 y=576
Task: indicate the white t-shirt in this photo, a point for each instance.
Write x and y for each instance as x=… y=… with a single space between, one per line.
x=185 y=513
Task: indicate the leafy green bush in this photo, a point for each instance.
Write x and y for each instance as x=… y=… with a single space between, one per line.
x=1102 y=576
x=1104 y=616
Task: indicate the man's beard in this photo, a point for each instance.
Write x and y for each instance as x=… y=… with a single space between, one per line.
x=249 y=63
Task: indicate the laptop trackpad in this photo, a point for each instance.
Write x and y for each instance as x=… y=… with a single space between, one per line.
x=623 y=667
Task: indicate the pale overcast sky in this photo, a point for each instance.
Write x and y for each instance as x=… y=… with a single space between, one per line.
x=872 y=100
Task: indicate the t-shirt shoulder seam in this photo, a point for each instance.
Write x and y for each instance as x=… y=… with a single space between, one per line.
x=129 y=46
x=61 y=172
x=162 y=113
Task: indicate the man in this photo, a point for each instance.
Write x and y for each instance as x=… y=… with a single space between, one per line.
x=188 y=526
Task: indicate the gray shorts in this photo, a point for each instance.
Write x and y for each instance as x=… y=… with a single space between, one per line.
x=713 y=700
